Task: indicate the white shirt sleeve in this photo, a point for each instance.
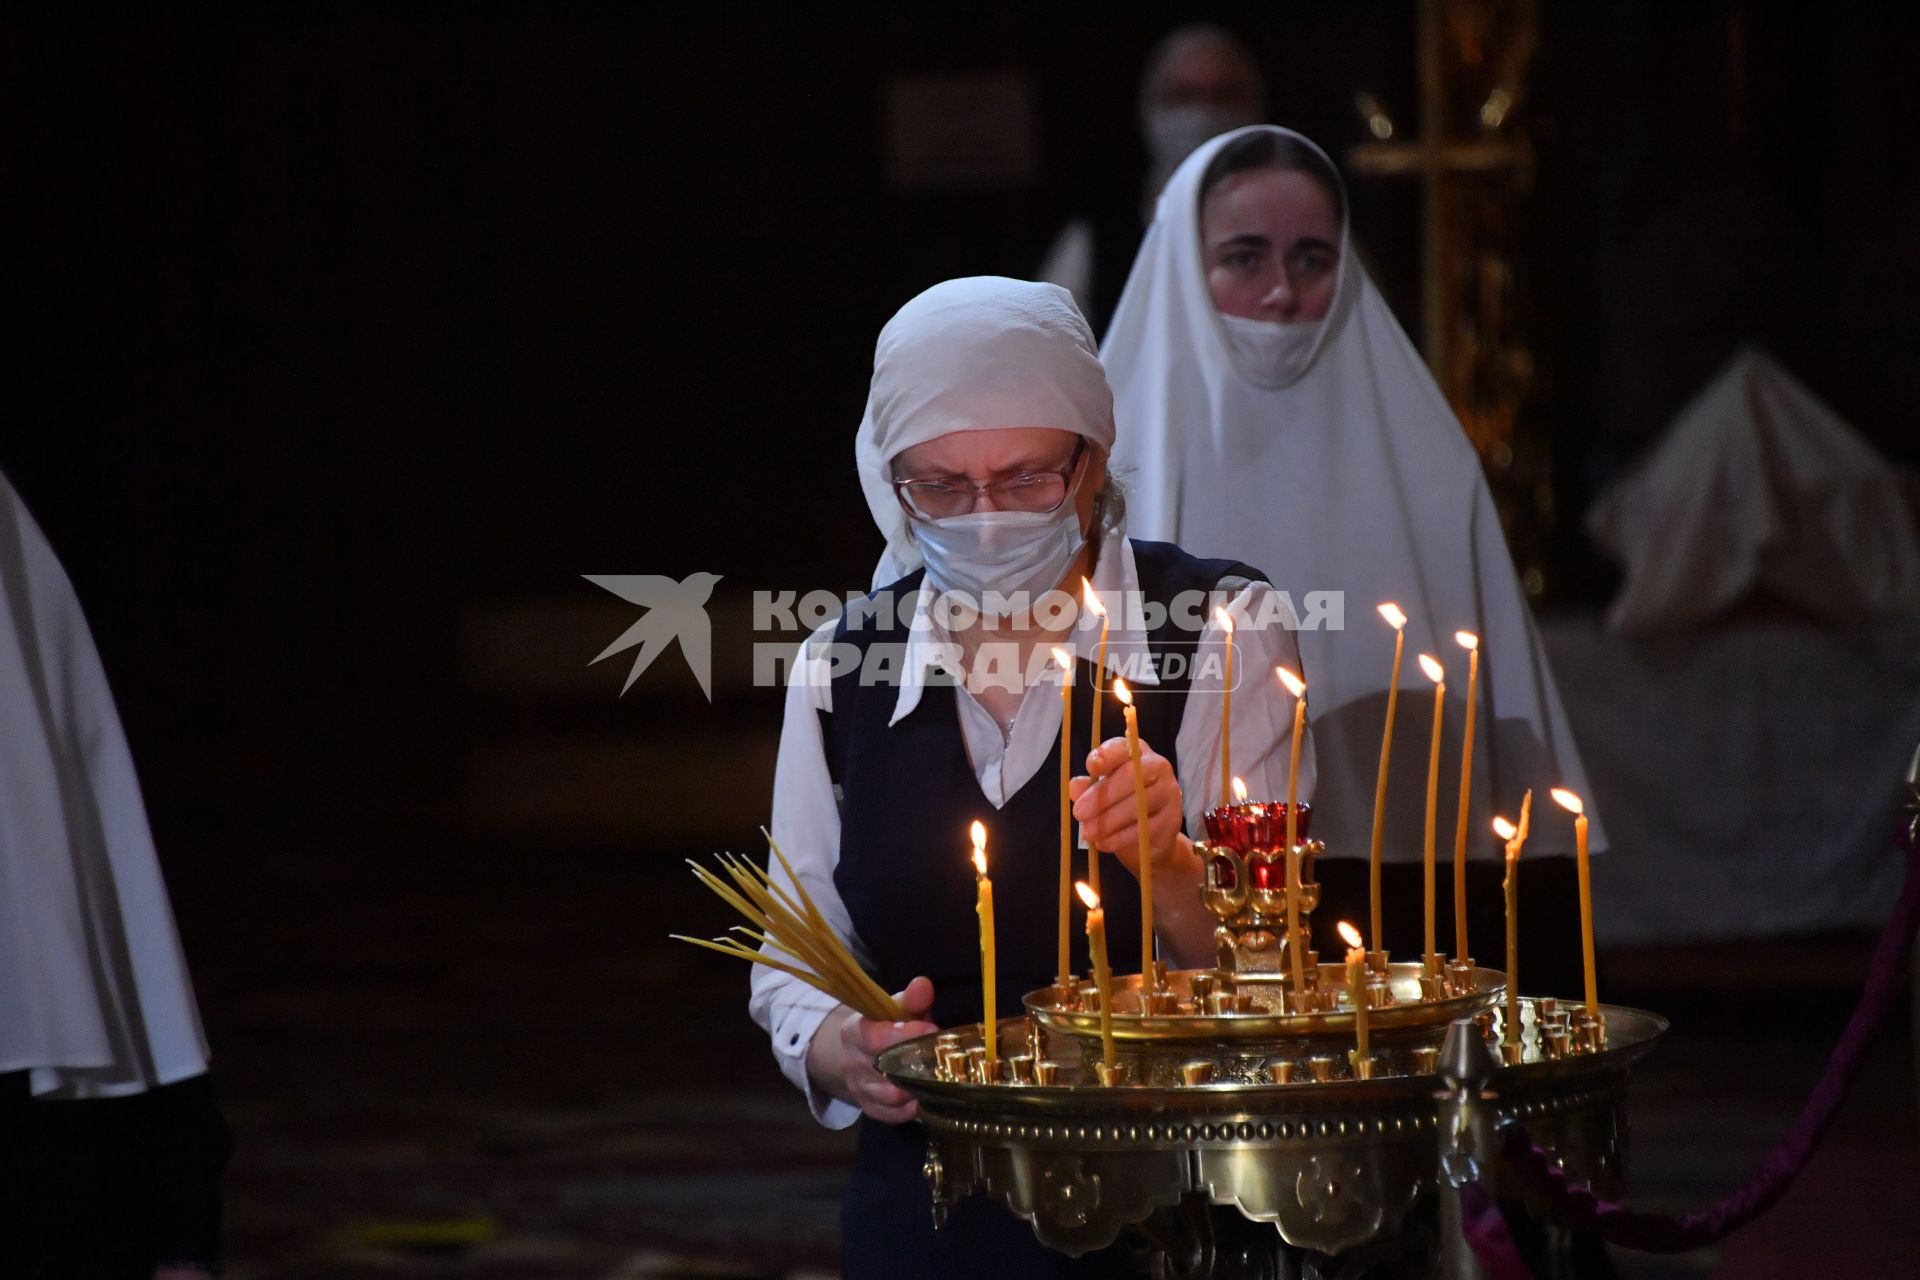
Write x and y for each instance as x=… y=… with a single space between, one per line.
x=806 y=825
x=1262 y=709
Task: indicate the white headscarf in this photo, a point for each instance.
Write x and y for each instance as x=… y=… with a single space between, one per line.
x=94 y=995
x=972 y=355
x=1349 y=473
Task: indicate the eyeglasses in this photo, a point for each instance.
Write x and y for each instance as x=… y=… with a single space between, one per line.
x=937 y=497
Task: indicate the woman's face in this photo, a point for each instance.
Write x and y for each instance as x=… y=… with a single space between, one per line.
x=1270 y=240
x=1000 y=454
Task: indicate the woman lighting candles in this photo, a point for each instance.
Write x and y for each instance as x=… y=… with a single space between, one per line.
x=935 y=701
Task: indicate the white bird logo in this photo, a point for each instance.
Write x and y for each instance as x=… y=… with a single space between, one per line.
x=674 y=611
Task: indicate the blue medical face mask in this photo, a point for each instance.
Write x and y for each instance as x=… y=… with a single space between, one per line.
x=985 y=554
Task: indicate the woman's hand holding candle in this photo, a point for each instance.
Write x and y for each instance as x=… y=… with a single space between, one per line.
x=1103 y=803
x=1104 y=807
x=840 y=1058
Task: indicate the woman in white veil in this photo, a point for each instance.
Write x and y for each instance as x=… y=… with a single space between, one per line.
x=1268 y=401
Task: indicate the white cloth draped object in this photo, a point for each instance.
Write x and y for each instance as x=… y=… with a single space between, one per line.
x=1351 y=475
x=973 y=354
x=1752 y=770
x=94 y=995
x=1758 y=486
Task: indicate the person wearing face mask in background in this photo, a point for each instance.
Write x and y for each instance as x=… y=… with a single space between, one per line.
x=1267 y=399
x=983 y=458
x=1201 y=81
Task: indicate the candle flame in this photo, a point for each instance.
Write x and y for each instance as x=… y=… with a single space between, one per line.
x=1431 y=665
x=1121 y=692
x=1504 y=829
x=980 y=862
x=1224 y=618
x=1093 y=601
x=1567 y=800
x=1064 y=658
x=1295 y=685
x=1087 y=895
x=1348 y=932
x=979 y=833
x=1466 y=639
x=1240 y=790
x=1395 y=618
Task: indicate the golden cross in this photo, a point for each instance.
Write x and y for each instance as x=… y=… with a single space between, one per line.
x=1440 y=160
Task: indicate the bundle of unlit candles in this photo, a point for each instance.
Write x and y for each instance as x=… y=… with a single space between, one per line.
x=793 y=929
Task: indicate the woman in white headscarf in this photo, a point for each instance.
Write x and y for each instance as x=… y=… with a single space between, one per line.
x=933 y=703
x=111 y=1144
x=1268 y=401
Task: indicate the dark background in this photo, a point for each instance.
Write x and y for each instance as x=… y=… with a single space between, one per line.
x=323 y=324
x=339 y=341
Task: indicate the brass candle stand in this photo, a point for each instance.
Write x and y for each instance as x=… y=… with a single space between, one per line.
x=1237 y=1099
x=1214 y=1124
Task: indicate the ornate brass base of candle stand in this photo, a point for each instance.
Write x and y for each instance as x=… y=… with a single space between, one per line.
x=1340 y=1167
x=1248 y=892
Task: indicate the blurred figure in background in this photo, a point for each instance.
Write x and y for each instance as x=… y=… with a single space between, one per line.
x=111 y=1143
x=1200 y=82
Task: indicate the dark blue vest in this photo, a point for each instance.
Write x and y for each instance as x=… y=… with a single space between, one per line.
x=907 y=795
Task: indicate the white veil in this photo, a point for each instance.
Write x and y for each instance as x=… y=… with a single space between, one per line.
x=1353 y=477
x=94 y=995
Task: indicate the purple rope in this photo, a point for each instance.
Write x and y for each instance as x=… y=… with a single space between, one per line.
x=1576 y=1206
x=1486 y=1231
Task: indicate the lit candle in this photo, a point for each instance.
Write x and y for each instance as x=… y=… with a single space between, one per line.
x=1065 y=659
x=1437 y=674
x=1225 y=620
x=1398 y=621
x=1239 y=791
x=1471 y=643
x=1298 y=688
x=1102 y=975
x=1093 y=743
x=1356 y=983
x=983 y=907
x=1571 y=802
x=1507 y=831
x=1121 y=692
x=1515 y=837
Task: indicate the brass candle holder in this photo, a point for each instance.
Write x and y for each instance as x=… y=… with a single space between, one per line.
x=1244 y=885
x=977 y=1065
x=1199 y=1126
x=1460 y=976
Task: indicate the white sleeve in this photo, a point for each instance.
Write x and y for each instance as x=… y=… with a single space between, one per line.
x=806 y=825
x=1262 y=709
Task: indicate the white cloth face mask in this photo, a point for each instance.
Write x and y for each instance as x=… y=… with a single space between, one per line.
x=1270 y=353
x=991 y=556
x=1174 y=133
